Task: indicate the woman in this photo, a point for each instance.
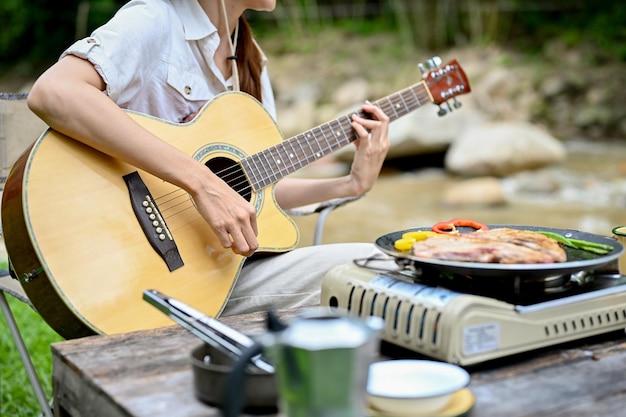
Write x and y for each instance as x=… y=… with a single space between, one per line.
x=167 y=58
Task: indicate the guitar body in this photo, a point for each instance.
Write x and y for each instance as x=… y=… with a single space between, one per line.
x=79 y=250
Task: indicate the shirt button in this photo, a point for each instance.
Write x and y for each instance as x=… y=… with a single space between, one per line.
x=187 y=89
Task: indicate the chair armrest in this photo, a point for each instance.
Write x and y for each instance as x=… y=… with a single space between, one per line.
x=324 y=208
x=318 y=207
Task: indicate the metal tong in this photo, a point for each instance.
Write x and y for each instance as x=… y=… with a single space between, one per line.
x=222 y=337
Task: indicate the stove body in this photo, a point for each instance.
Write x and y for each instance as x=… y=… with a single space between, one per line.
x=471 y=321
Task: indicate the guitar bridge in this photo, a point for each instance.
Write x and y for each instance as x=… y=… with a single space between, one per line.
x=152 y=222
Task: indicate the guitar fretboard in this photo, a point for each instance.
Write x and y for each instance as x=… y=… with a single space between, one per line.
x=272 y=164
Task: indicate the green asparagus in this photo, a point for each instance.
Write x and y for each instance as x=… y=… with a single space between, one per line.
x=599 y=248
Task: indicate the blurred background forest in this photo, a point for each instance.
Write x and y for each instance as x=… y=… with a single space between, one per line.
x=38 y=30
x=573 y=51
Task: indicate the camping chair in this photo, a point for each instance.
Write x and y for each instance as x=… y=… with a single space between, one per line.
x=10 y=286
x=18 y=129
x=322 y=209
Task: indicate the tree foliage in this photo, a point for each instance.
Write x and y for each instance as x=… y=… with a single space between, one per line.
x=38 y=30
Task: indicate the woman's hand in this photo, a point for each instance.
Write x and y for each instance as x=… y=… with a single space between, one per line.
x=371 y=147
x=371 y=150
x=232 y=218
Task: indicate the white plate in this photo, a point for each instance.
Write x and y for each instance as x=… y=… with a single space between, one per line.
x=415 y=378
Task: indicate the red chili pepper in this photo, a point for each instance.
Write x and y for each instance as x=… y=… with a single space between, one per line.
x=450 y=227
x=444 y=227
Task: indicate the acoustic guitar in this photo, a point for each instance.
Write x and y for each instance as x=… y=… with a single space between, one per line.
x=86 y=233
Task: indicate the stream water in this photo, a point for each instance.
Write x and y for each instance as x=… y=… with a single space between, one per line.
x=587 y=193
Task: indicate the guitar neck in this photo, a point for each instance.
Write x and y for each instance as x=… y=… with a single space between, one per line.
x=274 y=163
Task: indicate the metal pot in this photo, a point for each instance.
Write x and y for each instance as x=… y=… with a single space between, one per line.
x=211 y=370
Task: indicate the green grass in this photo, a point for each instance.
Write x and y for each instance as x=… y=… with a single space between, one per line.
x=18 y=398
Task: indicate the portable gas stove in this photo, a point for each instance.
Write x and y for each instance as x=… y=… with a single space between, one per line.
x=467 y=314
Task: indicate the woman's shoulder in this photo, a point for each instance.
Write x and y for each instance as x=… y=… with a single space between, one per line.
x=140 y=22
x=149 y=8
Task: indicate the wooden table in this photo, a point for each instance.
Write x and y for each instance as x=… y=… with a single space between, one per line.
x=148 y=374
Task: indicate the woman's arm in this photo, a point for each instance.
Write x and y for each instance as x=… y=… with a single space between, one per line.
x=372 y=147
x=69 y=98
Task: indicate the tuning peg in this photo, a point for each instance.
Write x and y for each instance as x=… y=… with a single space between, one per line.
x=435 y=62
x=432 y=63
x=442 y=111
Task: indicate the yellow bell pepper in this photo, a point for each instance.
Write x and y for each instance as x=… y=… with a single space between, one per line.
x=405 y=243
x=418 y=235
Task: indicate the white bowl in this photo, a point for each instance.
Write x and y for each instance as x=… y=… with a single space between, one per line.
x=414 y=387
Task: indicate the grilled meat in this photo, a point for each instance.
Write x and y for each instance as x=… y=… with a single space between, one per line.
x=527 y=238
x=503 y=245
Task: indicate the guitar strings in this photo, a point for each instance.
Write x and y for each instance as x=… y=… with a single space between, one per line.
x=236 y=182
x=386 y=104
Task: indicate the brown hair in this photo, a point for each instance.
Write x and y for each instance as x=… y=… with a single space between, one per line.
x=249 y=61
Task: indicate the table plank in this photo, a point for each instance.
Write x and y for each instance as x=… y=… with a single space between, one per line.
x=122 y=375
x=579 y=381
x=148 y=374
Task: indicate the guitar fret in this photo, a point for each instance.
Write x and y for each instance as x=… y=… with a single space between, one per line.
x=351 y=134
x=324 y=144
x=298 y=139
x=275 y=162
x=316 y=149
x=263 y=173
x=390 y=107
x=338 y=133
x=250 y=171
x=260 y=169
x=408 y=102
x=404 y=104
x=396 y=104
x=417 y=99
x=328 y=146
x=295 y=159
x=287 y=159
x=305 y=145
x=334 y=129
x=269 y=170
x=278 y=160
x=410 y=97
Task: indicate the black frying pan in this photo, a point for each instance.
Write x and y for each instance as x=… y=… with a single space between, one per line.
x=577 y=260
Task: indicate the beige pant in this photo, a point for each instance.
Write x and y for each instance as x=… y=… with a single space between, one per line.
x=291 y=279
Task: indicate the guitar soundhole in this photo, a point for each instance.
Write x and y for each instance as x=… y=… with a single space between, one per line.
x=231 y=173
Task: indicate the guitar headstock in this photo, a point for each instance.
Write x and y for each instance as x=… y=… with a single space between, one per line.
x=444 y=83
